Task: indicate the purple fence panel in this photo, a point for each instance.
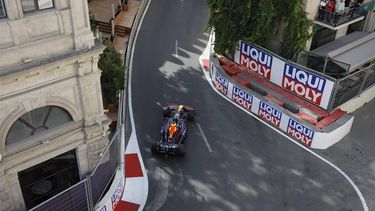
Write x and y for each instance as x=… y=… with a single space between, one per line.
x=72 y=199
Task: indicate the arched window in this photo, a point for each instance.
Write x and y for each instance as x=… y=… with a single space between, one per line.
x=36 y=122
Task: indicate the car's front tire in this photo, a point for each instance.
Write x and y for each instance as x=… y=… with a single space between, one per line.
x=154 y=148
x=181 y=150
x=190 y=115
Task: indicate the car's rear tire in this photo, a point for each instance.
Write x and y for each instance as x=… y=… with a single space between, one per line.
x=167 y=112
x=181 y=150
x=154 y=148
x=190 y=116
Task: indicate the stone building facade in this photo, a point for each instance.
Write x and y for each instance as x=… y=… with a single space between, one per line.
x=51 y=106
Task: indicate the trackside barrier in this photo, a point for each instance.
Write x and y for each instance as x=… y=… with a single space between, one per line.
x=276 y=115
x=353 y=85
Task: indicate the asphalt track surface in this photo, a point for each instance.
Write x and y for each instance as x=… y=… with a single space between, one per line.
x=250 y=167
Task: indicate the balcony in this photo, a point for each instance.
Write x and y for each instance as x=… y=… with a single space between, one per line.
x=334 y=21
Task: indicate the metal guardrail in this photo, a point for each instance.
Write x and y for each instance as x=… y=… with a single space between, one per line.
x=325 y=65
x=347 y=85
x=353 y=85
x=86 y=194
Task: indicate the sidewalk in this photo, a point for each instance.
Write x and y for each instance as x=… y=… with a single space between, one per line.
x=126 y=20
x=101 y=11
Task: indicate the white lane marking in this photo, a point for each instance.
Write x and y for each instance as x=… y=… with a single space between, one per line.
x=204 y=137
x=145 y=187
x=359 y=193
x=159 y=104
x=176 y=48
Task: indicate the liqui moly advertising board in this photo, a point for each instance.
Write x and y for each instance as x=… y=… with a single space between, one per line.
x=302 y=82
x=116 y=196
x=242 y=98
x=221 y=83
x=255 y=59
x=269 y=113
x=300 y=132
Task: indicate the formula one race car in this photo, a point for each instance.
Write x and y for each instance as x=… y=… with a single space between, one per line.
x=173 y=131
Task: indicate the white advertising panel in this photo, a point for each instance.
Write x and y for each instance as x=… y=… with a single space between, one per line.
x=114 y=194
x=294 y=78
x=242 y=98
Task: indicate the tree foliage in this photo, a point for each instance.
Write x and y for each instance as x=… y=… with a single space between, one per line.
x=112 y=78
x=257 y=22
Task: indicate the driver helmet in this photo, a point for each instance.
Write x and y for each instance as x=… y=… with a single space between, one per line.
x=172 y=129
x=180 y=107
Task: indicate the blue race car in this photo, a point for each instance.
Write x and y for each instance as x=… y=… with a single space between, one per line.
x=173 y=131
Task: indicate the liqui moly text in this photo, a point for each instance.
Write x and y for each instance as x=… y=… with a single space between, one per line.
x=242 y=98
x=221 y=83
x=300 y=132
x=269 y=114
x=303 y=83
x=255 y=60
x=116 y=196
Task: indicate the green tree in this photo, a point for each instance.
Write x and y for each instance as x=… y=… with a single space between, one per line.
x=296 y=31
x=257 y=22
x=112 y=78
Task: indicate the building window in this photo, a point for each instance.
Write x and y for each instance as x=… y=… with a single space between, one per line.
x=37 y=121
x=44 y=180
x=3 y=14
x=36 y=5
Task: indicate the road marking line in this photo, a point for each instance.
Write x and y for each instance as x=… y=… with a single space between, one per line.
x=176 y=48
x=204 y=137
x=359 y=193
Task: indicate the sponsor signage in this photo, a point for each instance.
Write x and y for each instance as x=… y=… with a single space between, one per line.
x=116 y=196
x=300 y=132
x=242 y=98
x=300 y=81
x=303 y=83
x=221 y=83
x=255 y=59
x=269 y=113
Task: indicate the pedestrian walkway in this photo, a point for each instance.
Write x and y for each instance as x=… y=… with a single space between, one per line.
x=101 y=12
x=121 y=43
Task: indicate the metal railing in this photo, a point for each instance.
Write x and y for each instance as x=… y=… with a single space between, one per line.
x=347 y=84
x=88 y=192
x=325 y=65
x=353 y=85
x=337 y=18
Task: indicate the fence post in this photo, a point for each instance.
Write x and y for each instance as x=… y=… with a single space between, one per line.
x=364 y=79
x=325 y=65
x=90 y=203
x=333 y=97
x=122 y=148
